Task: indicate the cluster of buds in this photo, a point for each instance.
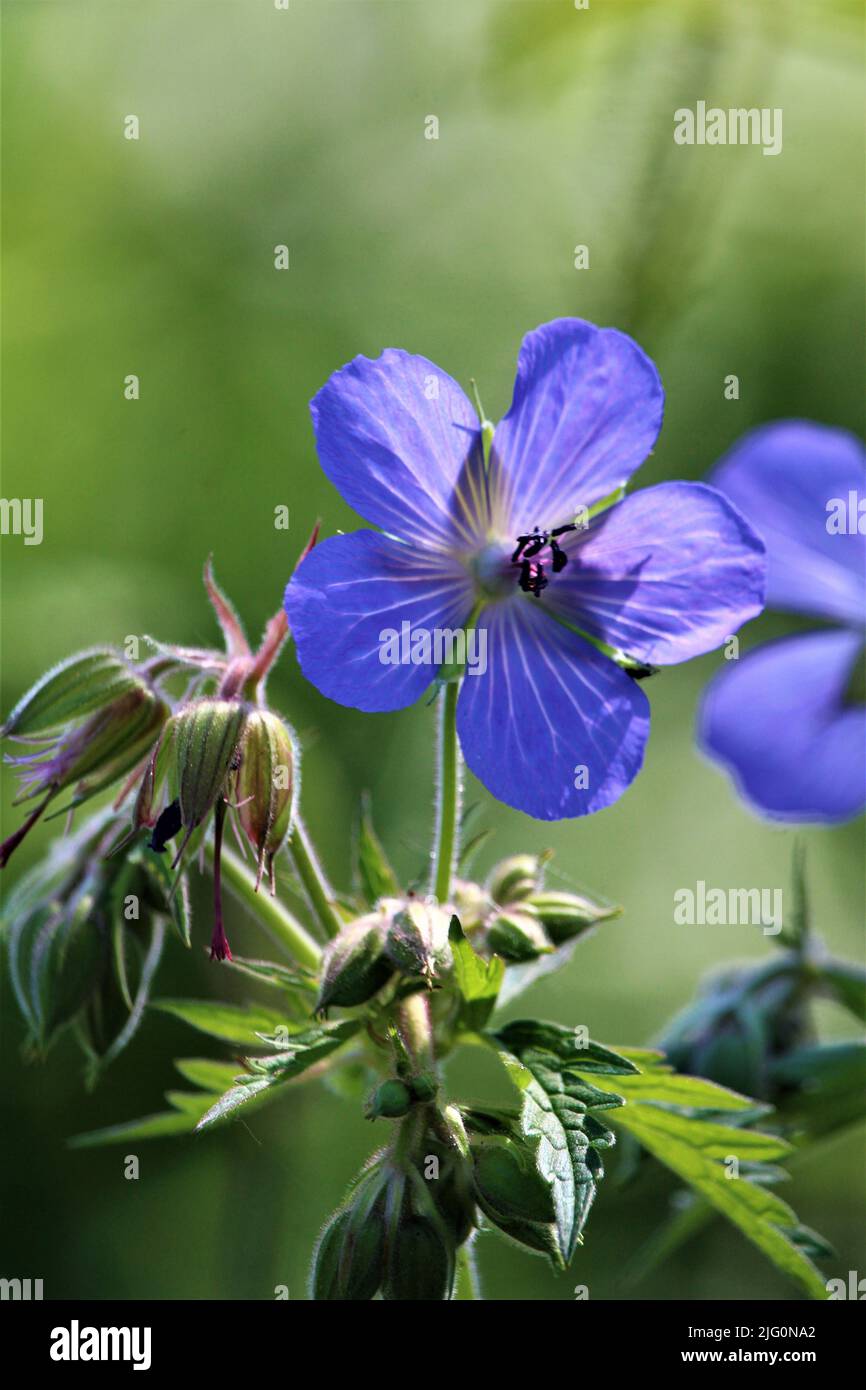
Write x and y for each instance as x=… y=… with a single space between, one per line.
x=84 y=932
x=406 y=936
x=405 y=1217
x=88 y=723
x=745 y=1018
x=99 y=718
x=514 y=916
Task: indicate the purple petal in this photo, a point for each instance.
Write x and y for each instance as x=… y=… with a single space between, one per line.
x=665 y=575
x=777 y=721
x=401 y=442
x=551 y=711
x=351 y=589
x=586 y=411
x=783 y=478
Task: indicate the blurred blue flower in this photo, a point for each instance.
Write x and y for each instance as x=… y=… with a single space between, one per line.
x=527 y=543
x=783 y=719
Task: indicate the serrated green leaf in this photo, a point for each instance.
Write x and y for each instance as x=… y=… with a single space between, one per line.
x=566 y=1044
x=478 y=980
x=557 y=1111
x=302 y=1051
x=695 y=1149
x=243 y=1026
x=691 y=1092
x=376 y=876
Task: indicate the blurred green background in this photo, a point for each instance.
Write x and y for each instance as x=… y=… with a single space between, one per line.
x=305 y=127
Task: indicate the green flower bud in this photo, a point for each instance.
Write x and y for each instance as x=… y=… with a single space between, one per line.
x=355 y=966
x=471 y=903
x=96 y=753
x=76 y=687
x=325 y=1279
x=389 y=1101
x=349 y=1259
x=452 y=1191
x=566 y=915
x=515 y=878
x=513 y=1195
x=516 y=935
x=265 y=786
x=417 y=941
x=424 y=1087
x=507 y=1182
x=420 y=1263
x=206 y=741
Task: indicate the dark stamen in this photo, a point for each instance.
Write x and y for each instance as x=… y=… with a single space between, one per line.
x=167 y=826
x=532 y=576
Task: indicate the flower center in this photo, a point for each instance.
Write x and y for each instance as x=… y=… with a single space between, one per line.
x=534 y=551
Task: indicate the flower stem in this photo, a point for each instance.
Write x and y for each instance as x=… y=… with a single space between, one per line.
x=271 y=913
x=466 y=1283
x=449 y=789
x=413 y=1021
x=312 y=876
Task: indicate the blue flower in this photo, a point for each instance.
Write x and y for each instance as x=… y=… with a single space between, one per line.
x=781 y=720
x=563 y=592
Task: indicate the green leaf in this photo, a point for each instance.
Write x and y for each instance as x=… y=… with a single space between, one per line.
x=695 y=1149
x=377 y=878
x=208 y=1073
x=301 y=1051
x=241 y=1026
x=557 y=1111
x=478 y=980
x=162 y=1126
x=272 y=973
x=566 y=1044
x=691 y=1092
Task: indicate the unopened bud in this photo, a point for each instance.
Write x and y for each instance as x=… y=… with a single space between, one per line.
x=566 y=915
x=389 y=1101
x=417 y=940
x=355 y=966
x=515 y=878
x=94 y=754
x=517 y=935
x=265 y=786
x=71 y=690
x=420 y=1263
x=424 y=1087
x=206 y=740
x=514 y=1196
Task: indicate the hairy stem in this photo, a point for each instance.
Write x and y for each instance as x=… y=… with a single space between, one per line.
x=316 y=886
x=449 y=793
x=466 y=1283
x=271 y=913
x=416 y=1030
